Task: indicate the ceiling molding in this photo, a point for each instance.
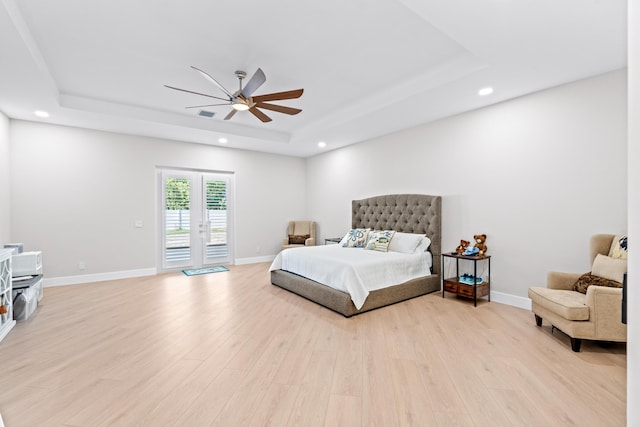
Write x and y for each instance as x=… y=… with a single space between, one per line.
x=142 y=113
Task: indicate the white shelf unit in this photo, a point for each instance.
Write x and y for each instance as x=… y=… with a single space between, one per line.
x=6 y=320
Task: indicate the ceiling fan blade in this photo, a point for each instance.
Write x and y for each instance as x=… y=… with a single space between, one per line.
x=290 y=94
x=259 y=114
x=212 y=80
x=196 y=93
x=254 y=83
x=208 y=105
x=231 y=113
x=278 y=108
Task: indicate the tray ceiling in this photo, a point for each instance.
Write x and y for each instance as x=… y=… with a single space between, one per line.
x=367 y=68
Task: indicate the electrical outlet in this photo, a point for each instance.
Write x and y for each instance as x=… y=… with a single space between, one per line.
x=138 y=223
x=257 y=249
x=81 y=265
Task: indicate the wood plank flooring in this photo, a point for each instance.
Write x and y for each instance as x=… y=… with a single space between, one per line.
x=230 y=349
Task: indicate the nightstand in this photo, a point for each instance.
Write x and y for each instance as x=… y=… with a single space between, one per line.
x=464 y=288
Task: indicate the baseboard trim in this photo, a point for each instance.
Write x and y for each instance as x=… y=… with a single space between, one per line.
x=255 y=260
x=509 y=299
x=499 y=297
x=99 y=277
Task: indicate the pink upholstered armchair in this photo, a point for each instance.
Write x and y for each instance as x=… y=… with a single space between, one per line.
x=300 y=234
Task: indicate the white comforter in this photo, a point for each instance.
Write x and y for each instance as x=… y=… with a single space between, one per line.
x=353 y=270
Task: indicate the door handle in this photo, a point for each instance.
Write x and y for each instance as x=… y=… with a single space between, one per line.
x=206 y=228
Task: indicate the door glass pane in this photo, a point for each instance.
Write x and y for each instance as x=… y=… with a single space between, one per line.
x=196 y=227
x=177 y=220
x=216 y=217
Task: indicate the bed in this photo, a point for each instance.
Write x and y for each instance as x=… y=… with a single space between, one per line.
x=405 y=213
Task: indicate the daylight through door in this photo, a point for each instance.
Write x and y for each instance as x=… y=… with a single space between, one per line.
x=196 y=227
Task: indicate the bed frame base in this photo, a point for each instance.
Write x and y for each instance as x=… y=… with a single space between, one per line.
x=341 y=302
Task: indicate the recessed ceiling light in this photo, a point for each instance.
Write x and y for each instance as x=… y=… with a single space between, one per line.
x=223 y=140
x=322 y=144
x=485 y=91
x=41 y=113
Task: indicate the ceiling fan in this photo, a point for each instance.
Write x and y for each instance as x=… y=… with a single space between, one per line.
x=241 y=100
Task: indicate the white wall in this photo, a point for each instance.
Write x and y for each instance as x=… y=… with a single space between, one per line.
x=77 y=192
x=633 y=326
x=5 y=189
x=538 y=175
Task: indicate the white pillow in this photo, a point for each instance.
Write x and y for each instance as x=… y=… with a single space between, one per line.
x=405 y=242
x=609 y=268
x=424 y=245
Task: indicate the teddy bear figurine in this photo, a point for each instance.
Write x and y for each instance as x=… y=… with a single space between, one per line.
x=480 y=239
x=462 y=246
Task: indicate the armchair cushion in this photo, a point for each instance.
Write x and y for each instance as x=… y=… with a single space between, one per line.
x=568 y=304
x=589 y=279
x=609 y=268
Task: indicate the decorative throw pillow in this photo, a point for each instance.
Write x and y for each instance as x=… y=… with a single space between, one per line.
x=588 y=279
x=298 y=240
x=609 y=268
x=355 y=238
x=619 y=247
x=379 y=240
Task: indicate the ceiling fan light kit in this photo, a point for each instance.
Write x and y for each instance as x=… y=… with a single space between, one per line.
x=242 y=99
x=240 y=106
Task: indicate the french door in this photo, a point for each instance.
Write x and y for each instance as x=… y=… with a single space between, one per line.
x=196 y=219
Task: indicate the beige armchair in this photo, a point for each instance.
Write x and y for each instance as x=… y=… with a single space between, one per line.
x=595 y=315
x=300 y=234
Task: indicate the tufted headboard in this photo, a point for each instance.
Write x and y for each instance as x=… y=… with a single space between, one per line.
x=407 y=213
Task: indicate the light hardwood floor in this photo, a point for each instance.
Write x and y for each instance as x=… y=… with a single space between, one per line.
x=231 y=349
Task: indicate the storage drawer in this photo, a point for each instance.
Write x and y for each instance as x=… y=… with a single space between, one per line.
x=451 y=286
x=467 y=290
